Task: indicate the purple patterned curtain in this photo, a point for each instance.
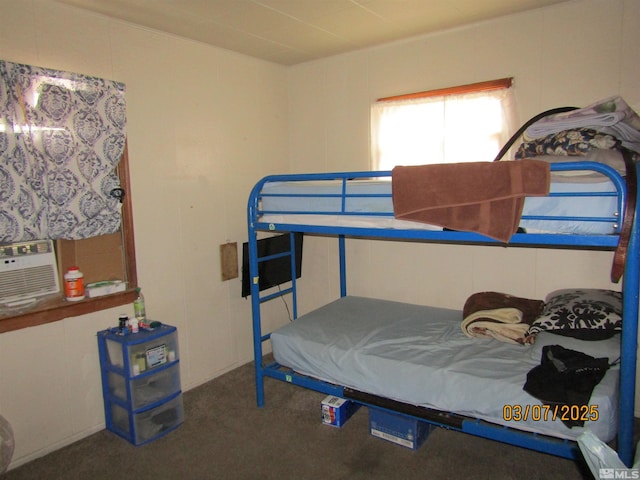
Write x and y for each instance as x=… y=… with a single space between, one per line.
x=61 y=137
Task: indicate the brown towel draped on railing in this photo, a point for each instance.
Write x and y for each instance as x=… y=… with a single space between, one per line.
x=482 y=197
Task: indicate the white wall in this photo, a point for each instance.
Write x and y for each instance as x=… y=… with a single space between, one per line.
x=574 y=53
x=204 y=125
x=201 y=119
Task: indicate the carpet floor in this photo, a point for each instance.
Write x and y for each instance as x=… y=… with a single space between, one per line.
x=225 y=436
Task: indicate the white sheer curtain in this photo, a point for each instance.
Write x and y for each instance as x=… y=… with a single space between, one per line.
x=441 y=129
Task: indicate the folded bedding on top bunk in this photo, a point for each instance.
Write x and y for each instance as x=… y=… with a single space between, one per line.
x=368 y=204
x=420 y=356
x=612 y=116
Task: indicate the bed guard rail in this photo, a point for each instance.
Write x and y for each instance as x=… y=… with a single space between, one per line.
x=343 y=203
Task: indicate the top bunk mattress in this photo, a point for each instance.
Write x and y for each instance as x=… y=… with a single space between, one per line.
x=579 y=205
x=420 y=356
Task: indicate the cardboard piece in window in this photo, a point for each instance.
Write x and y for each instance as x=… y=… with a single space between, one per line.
x=98 y=258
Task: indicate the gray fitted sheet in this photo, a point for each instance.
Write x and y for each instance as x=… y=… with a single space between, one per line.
x=419 y=355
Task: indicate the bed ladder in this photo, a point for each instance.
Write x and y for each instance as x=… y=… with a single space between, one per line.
x=257 y=299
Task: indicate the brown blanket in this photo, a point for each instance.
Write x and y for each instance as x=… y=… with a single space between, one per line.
x=500 y=316
x=482 y=197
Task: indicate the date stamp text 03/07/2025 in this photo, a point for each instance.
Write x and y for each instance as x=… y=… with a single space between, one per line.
x=537 y=413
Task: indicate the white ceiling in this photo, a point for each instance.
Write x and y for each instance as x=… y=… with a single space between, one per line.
x=294 y=31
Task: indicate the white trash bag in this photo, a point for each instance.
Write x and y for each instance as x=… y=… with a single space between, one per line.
x=603 y=461
x=6 y=444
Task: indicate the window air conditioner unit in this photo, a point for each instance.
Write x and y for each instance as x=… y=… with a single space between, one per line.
x=27 y=270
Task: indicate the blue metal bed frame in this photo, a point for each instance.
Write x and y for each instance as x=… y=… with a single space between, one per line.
x=540 y=443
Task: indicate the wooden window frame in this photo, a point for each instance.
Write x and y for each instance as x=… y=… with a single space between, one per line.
x=458 y=90
x=58 y=308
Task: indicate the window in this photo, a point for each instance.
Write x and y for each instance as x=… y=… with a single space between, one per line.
x=63 y=167
x=459 y=124
x=118 y=247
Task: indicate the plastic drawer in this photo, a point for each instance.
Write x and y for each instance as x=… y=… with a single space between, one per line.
x=145 y=389
x=148 y=424
x=144 y=354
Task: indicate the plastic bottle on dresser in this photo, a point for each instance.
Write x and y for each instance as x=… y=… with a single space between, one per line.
x=134 y=325
x=139 y=308
x=74 y=284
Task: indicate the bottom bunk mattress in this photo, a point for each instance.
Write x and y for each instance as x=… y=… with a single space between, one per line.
x=419 y=355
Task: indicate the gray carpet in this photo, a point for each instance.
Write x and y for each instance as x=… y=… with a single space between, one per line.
x=225 y=436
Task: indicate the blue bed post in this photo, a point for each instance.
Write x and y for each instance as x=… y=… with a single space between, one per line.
x=343 y=266
x=628 y=347
x=294 y=289
x=255 y=293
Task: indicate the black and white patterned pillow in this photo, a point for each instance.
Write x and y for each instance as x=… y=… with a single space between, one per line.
x=587 y=314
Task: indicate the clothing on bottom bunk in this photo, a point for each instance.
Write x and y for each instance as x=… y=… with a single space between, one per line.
x=482 y=197
x=501 y=316
x=566 y=378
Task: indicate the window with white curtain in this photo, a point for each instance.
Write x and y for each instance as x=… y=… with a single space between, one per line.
x=469 y=124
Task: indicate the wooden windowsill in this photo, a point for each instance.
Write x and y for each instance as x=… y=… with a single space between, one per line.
x=59 y=308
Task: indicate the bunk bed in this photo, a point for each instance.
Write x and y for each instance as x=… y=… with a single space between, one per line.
x=375 y=352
